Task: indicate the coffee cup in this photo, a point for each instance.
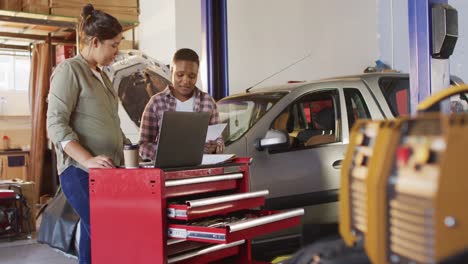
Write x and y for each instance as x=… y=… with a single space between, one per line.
x=131 y=155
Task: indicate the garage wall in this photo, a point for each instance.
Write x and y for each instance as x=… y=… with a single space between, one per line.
x=18 y=129
x=169 y=25
x=459 y=59
x=394 y=33
x=394 y=36
x=341 y=37
x=268 y=35
x=156 y=33
x=188 y=25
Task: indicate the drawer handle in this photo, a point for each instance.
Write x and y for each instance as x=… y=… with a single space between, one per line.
x=204 y=251
x=204 y=179
x=265 y=220
x=227 y=198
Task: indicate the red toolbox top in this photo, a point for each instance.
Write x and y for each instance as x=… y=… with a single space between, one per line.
x=7 y=194
x=238 y=165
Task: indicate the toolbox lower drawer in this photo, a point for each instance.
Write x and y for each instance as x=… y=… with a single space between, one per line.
x=207 y=254
x=221 y=205
x=221 y=232
x=177 y=246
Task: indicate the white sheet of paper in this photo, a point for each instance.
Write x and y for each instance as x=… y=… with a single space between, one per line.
x=214 y=131
x=215 y=158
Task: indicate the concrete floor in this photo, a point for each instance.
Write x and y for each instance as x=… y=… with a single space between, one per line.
x=28 y=251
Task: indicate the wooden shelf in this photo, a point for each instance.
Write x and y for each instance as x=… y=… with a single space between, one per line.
x=49 y=20
x=19 y=29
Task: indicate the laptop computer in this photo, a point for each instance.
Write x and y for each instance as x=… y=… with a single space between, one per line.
x=181 y=139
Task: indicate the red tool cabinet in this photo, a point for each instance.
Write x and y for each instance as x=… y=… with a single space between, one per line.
x=191 y=215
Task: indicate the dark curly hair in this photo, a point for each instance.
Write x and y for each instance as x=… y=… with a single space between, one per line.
x=187 y=55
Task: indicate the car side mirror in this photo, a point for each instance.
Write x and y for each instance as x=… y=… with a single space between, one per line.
x=274 y=139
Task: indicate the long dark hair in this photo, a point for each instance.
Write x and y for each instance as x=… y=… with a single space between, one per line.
x=96 y=23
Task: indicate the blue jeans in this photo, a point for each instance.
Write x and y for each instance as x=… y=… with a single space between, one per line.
x=75 y=186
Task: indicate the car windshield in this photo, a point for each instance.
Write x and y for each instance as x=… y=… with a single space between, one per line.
x=240 y=113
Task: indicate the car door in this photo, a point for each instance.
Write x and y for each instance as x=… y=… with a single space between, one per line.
x=307 y=171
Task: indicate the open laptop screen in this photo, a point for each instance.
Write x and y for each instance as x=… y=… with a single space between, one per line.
x=181 y=139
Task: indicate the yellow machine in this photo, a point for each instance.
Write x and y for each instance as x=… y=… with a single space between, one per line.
x=404 y=186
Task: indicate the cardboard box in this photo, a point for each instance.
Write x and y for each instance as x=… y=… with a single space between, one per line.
x=35 y=2
x=12 y=5
x=36 y=6
x=29 y=193
x=81 y=3
x=122 y=14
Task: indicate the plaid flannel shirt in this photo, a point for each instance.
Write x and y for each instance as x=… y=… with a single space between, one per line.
x=165 y=101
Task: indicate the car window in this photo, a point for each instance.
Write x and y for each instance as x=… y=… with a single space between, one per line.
x=356 y=107
x=311 y=120
x=242 y=112
x=396 y=92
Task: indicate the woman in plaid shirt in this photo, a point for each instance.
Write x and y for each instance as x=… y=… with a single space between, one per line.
x=181 y=96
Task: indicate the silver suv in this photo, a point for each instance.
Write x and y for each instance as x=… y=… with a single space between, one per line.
x=297 y=135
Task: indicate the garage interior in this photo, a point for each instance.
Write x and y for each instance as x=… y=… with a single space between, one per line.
x=345 y=124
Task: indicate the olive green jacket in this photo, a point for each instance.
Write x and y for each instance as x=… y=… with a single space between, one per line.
x=81 y=108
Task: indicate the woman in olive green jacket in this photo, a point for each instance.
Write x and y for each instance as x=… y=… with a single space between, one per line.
x=82 y=119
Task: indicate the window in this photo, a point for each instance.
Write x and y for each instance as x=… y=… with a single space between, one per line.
x=356 y=107
x=6 y=72
x=22 y=72
x=396 y=92
x=14 y=71
x=311 y=120
x=241 y=113
x=14 y=83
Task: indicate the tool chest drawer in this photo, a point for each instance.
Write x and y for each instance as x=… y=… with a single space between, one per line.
x=201 y=185
x=234 y=227
x=203 y=171
x=220 y=205
x=177 y=246
x=207 y=253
